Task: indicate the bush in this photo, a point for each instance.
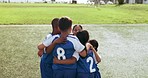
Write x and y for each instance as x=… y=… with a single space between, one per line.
x=121 y=2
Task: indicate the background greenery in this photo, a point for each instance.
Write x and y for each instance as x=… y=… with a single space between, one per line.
x=123 y=47
x=123 y=50
x=17 y=13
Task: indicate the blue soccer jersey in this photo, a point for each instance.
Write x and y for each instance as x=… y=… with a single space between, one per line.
x=48 y=57
x=87 y=64
x=47 y=60
x=62 y=51
x=97 y=73
x=67 y=50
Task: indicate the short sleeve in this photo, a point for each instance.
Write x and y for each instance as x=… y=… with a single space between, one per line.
x=76 y=43
x=76 y=55
x=49 y=40
x=48 y=36
x=78 y=46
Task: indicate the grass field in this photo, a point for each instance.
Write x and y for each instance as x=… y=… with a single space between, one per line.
x=12 y=13
x=123 y=49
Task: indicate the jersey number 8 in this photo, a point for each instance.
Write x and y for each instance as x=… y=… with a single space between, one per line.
x=61 y=52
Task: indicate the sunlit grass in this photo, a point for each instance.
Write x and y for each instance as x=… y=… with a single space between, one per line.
x=12 y=13
x=123 y=55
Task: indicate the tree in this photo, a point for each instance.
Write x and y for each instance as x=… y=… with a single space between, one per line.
x=44 y=1
x=121 y=2
x=53 y=0
x=8 y=1
x=96 y=2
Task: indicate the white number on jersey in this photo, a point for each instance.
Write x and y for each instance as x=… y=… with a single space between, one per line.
x=61 y=52
x=90 y=59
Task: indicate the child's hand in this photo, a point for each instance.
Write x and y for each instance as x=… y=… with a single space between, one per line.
x=89 y=46
x=40 y=53
x=60 y=40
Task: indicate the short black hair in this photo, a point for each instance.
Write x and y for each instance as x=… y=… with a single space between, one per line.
x=55 y=22
x=94 y=43
x=65 y=23
x=77 y=25
x=83 y=36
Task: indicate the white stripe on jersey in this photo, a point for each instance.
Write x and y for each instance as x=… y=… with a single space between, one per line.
x=49 y=40
x=73 y=39
x=76 y=55
x=77 y=45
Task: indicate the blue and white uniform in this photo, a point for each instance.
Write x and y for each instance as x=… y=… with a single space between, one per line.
x=87 y=66
x=97 y=73
x=66 y=50
x=46 y=61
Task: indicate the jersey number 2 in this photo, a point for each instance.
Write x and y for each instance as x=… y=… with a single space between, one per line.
x=90 y=59
x=61 y=52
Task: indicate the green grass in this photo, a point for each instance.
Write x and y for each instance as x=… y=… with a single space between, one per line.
x=18 y=52
x=13 y=13
x=123 y=55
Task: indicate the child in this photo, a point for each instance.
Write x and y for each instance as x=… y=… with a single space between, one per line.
x=95 y=45
x=87 y=66
x=70 y=49
x=76 y=28
x=55 y=31
x=46 y=59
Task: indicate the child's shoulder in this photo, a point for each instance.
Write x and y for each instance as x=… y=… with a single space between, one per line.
x=71 y=36
x=49 y=35
x=52 y=36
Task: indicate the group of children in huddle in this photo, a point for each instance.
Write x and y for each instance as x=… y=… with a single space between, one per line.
x=66 y=55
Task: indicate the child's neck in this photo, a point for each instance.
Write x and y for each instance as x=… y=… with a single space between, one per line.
x=64 y=34
x=54 y=33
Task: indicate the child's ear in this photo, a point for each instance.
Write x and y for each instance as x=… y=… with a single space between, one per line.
x=70 y=29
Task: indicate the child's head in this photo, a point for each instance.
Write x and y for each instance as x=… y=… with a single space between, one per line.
x=94 y=43
x=76 y=28
x=55 y=26
x=65 y=24
x=83 y=36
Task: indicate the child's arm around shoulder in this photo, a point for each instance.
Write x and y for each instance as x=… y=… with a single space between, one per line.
x=71 y=60
x=75 y=57
x=45 y=42
x=55 y=42
x=40 y=49
x=41 y=46
x=89 y=46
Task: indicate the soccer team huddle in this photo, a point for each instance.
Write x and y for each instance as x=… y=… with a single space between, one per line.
x=68 y=53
